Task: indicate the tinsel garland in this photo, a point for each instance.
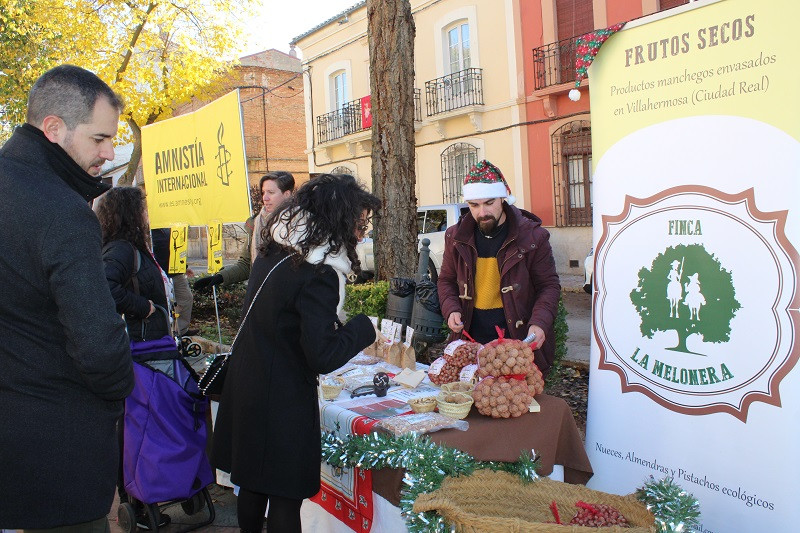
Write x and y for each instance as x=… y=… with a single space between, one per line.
x=427 y=464
x=676 y=510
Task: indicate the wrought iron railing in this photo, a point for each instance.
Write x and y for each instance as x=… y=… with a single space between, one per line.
x=454 y=91
x=417 y=106
x=554 y=63
x=337 y=124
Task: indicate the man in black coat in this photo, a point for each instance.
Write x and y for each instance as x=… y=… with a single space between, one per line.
x=65 y=363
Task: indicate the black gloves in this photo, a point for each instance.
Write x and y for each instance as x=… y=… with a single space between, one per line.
x=207 y=282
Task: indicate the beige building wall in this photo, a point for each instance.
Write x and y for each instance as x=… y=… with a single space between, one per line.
x=492 y=127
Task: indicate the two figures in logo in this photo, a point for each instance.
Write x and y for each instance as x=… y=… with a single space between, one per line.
x=694 y=298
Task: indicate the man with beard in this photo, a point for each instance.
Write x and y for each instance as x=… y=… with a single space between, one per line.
x=65 y=357
x=498 y=269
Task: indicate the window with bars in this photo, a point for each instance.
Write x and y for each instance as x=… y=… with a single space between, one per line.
x=572 y=172
x=457 y=159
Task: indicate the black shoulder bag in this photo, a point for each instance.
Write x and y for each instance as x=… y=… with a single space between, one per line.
x=214 y=377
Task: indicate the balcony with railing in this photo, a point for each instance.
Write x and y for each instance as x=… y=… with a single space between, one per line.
x=348 y=119
x=337 y=124
x=554 y=63
x=454 y=91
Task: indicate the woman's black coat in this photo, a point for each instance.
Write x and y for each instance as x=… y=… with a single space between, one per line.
x=119 y=259
x=267 y=432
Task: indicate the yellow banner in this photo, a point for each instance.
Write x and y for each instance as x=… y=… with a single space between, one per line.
x=194 y=166
x=178 y=248
x=214 y=246
x=725 y=58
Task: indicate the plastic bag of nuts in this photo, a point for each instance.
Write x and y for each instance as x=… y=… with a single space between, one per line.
x=462 y=353
x=441 y=372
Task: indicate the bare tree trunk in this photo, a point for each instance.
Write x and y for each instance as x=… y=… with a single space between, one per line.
x=391 y=55
x=126 y=180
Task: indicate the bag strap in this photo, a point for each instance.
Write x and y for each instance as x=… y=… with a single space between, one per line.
x=253 y=301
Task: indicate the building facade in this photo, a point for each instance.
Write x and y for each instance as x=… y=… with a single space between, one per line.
x=492 y=78
x=559 y=148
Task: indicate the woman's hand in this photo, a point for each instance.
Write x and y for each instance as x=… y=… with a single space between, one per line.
x=152 y=309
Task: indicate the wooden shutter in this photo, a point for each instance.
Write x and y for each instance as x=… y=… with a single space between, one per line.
x=574 y=17
x=669 y=4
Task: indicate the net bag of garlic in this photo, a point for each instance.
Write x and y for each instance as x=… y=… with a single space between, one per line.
x=509 y=378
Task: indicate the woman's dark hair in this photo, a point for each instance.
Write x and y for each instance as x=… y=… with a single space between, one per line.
x=284 y=180
x=121 y=215
x=332 y=205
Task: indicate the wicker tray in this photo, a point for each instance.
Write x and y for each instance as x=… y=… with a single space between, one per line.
x=458 y=410
x=498 y=502
x=458 y=386
x=424 y=404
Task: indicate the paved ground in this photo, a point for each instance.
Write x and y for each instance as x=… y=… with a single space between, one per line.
x=578 y=305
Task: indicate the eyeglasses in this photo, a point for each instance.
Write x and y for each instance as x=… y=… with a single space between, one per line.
x=363 y=225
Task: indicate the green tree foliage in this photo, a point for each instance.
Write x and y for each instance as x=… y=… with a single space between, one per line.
x=684 y=264
x=158 y=54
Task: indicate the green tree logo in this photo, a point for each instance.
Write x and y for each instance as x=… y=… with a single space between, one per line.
x=687 y=290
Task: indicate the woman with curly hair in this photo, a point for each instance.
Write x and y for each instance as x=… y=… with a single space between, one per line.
x=138 y=286
x=137 y=283
x=267 y=432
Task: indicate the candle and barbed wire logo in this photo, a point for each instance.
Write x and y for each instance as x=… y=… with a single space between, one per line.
x=695 y=304
x=223 y=157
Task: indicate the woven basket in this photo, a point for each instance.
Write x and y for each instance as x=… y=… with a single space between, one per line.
x=498 y=502
x=458 y=386
x=331 y=391
x=457 y=410
x=423 y=404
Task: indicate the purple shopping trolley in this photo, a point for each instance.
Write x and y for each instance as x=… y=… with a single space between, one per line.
x=164 y=458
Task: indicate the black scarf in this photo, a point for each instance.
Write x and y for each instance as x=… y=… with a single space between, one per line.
x=80 y=181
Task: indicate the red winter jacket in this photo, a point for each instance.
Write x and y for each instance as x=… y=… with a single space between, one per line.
x=528 y=280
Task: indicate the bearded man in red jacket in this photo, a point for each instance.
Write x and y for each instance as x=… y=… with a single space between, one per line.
x=498 y=269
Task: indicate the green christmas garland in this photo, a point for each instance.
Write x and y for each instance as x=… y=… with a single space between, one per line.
x=427 y=464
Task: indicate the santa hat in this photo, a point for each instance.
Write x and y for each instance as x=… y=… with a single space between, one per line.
x=485 y=180
x=586 y=48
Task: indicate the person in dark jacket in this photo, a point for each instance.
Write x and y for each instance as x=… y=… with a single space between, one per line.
x=498 y=269
x=137 y=282
x=267 y=432
x=275 y=188
x=64 y=355
x=138 y=286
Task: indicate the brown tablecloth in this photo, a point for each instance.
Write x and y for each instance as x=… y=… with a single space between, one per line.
x=551 y=432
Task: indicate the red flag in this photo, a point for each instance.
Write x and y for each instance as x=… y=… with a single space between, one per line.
x=366 y=111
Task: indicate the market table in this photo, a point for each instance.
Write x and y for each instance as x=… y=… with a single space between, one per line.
x=355 y=500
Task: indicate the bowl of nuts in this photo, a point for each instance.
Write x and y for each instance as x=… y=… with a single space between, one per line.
x=458 y=386
x=331 y=387
x=422 y=404
x=454 y=404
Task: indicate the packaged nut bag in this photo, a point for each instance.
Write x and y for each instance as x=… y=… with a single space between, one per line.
x=409 y=359
x=372 y=349
x=441 y=372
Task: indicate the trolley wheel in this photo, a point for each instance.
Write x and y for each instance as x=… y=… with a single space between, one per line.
x=193 y=505
x=126 y=517
x=186 y=341
x=193 y=349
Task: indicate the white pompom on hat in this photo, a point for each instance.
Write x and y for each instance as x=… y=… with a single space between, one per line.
x=484 y=180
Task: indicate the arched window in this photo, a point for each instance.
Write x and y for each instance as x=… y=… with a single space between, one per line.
x=572 y=171
x=457 y=159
